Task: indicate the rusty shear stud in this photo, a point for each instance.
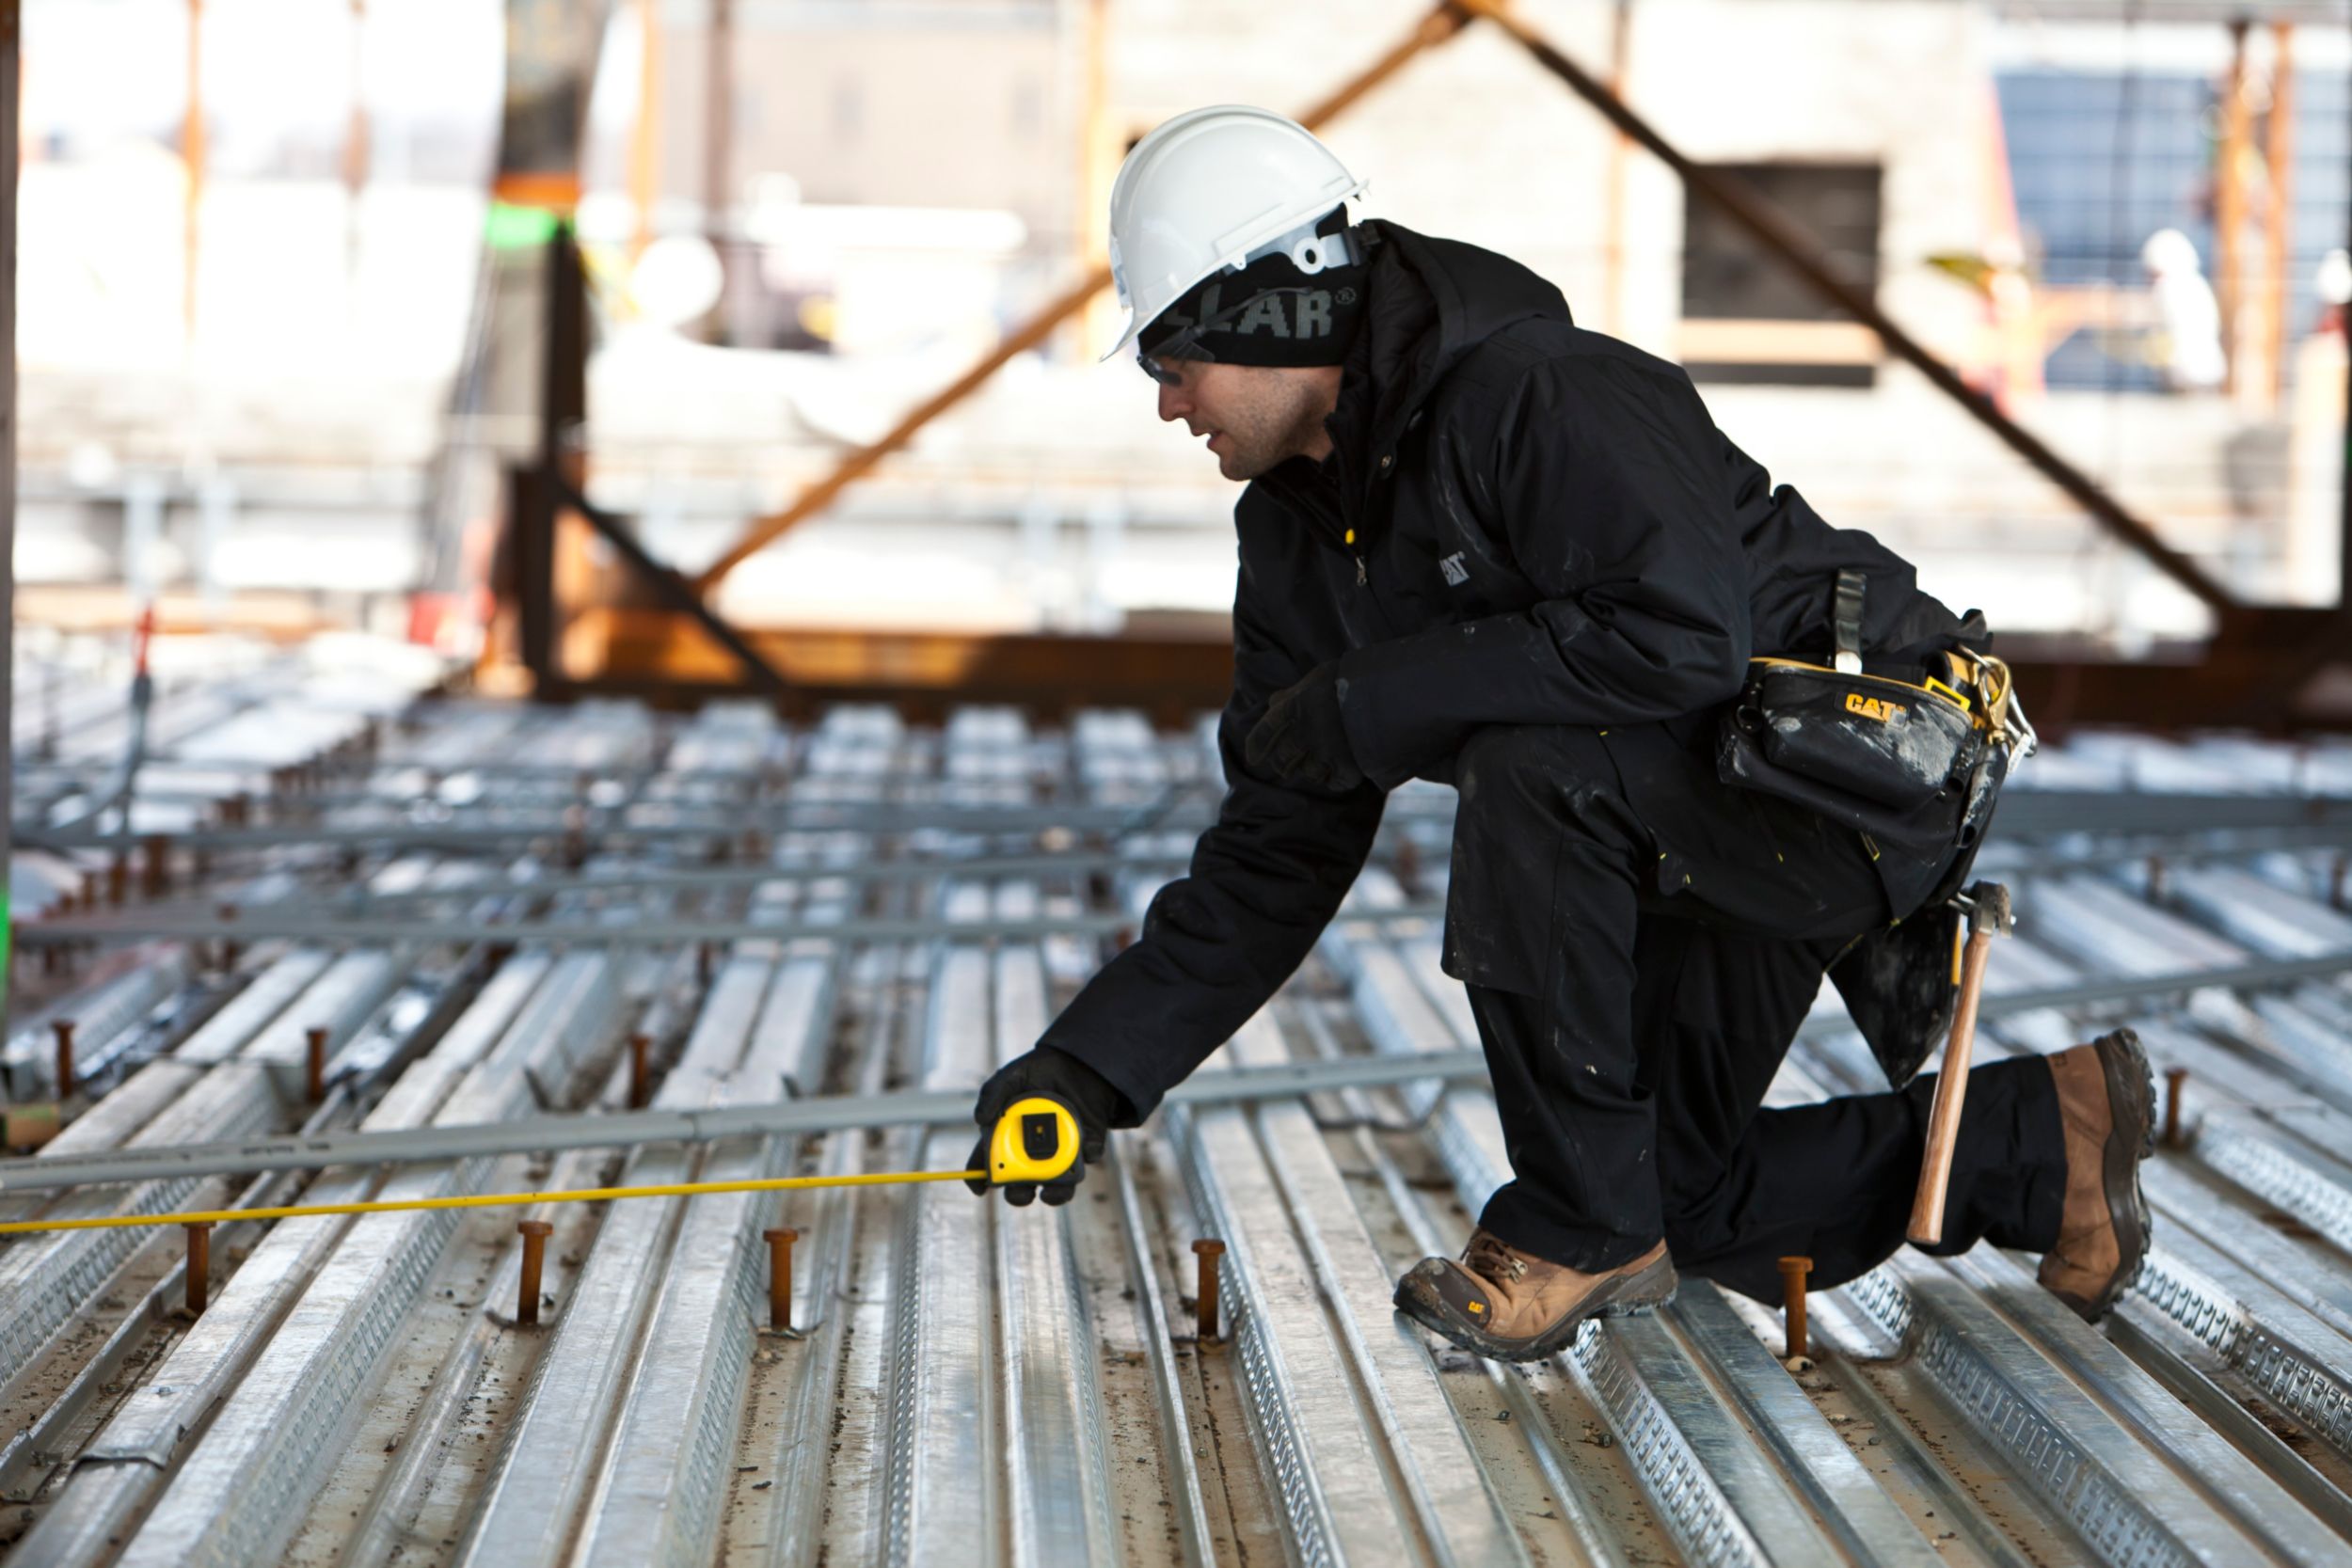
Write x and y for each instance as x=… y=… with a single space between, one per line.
x=534 y=1234
x=1204 y=1294
x=780 y=1277
x=1792 y=1277
x=640 y=1072
x=200 y=1263
x=66 y=1075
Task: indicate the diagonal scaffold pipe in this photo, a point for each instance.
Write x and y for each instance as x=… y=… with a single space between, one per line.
x=1772 y=229
x=1435 y=28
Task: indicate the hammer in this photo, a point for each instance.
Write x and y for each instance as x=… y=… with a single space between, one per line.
x=1987 y=906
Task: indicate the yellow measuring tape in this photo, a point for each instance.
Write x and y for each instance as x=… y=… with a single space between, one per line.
x=488 y=1200
x=1036 y=1140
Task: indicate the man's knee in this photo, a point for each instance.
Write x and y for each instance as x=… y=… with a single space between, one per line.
x=1527 y=793
x=1504 y=767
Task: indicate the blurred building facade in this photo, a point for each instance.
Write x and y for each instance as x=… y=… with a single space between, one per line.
x=899 y=184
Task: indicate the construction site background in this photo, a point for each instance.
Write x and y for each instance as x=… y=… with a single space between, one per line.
x=905 y=181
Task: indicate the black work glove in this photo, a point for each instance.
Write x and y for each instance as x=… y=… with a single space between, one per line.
x=1092 y=1102
x=1302 y=741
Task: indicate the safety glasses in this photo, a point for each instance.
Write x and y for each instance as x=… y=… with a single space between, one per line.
x=1160 y=368
x=1165 y=363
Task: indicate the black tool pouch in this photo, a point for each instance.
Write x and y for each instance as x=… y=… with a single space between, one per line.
x=1890 y=757
x=1873 y=746
x=1904 y=762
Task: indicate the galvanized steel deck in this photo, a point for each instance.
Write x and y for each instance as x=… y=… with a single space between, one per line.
x=973 y=1383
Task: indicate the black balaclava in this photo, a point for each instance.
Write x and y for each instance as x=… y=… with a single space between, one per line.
x=1268 y=313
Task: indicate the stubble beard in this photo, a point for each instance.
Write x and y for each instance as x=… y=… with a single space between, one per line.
x=1276 y=434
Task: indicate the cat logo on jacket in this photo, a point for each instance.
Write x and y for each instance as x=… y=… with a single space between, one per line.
x=1880 y=708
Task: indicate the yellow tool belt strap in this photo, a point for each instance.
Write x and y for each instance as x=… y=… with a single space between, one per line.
x=1989 y=679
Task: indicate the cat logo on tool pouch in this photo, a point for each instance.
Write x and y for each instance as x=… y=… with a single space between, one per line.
x=1885 y=712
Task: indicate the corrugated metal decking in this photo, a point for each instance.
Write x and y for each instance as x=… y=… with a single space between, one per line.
x=969 y=1383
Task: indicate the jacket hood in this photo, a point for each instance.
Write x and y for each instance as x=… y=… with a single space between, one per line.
x=1432 y=302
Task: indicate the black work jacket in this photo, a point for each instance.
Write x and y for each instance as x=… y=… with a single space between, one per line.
x=1522 y=522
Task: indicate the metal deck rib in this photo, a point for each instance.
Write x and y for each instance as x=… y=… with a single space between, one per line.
x=658 y=1500
x=944 y=1444
x=552 y=1453
x=282 y=1426
x=273 y=1405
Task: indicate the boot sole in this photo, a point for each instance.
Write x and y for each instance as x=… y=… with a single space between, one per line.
x=1633 y=1295
x=2132 y=1104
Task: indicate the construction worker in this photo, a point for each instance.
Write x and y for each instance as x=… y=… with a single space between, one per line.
x=2185 y=347
x=1483 y=545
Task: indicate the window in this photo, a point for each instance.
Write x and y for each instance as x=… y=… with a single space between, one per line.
x=2102 y=159
x=1746 y=316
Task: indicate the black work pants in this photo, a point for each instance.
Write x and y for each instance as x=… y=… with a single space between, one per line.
x=1641 y=942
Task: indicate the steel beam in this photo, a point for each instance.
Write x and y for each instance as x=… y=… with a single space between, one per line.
x=2024 y=814
x=719 y=155
x=680 y=932
x=815 y=1113
x=2277 y=212
x=2344 y=520
x=2237 y=120
x=644 y=148
x=824 y=1114
x=551 y=54
x=680 y=595
x=265 y=924
x=563 y=408
x=604 y=828
x=360 y=901
x=191 y=158
x=924 y=673
x=2036 y=813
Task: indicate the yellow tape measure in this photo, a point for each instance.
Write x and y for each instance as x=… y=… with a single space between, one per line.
x=1036 y=1140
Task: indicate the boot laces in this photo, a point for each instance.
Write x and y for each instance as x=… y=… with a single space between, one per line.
x=1493 y=1260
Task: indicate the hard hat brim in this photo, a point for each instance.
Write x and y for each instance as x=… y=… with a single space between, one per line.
x=1235 y=255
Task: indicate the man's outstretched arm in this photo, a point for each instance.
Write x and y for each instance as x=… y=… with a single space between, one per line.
x=1265 y=878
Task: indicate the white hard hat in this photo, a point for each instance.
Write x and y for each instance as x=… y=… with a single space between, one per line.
x=1211 y=189
x=2170 y=250
x=2333 y=281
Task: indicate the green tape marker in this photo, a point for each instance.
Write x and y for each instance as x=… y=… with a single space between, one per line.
x=513 y=227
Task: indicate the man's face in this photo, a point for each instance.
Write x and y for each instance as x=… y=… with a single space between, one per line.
x=1254 y=416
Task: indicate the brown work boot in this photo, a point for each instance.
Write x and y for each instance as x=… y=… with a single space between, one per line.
x=1513 y=1306
x=2107 y=1105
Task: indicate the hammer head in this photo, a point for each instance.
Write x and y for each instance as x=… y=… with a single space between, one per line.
x=1988 y=908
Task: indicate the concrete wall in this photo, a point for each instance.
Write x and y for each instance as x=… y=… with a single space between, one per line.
x=890 y=105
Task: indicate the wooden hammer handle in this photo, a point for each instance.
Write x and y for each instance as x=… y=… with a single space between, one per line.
x=1951 y=1090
